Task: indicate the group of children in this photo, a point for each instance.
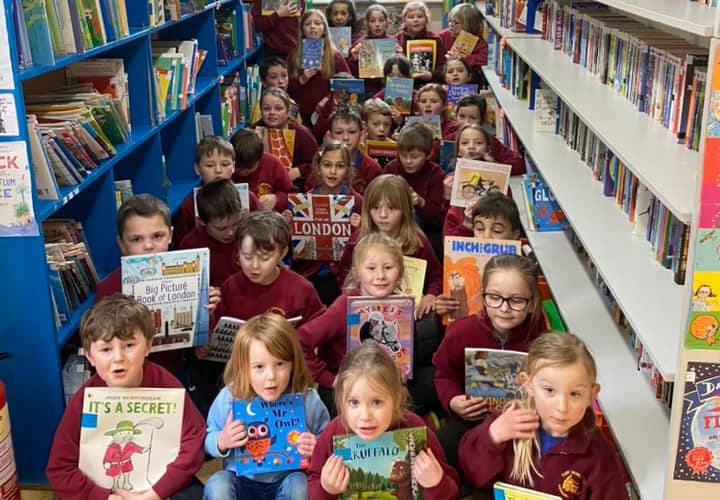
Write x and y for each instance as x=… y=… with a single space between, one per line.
x=547 y=441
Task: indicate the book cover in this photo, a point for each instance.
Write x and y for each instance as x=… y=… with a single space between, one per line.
x=493 y=375
x=432 y=121
x=545 y=113
x=223 y=336
x=457 y=91
x=698 y=450
x=321 y=225
x=422 y=55
x=545 y=211
x=464 y=44
x=413 y=281
x=174 y=286
x=273 y=428
x=129 y=436
x=382 y=468
x=347 y=93
x=387 y=322
x=38 y=32
x=447 y=156
x=279 y=143
x=464 y=261
x=382 y=151
x=311 y=56
x=341 y=37
x=475 y=178
x=17 y=215
x=399 y=93
x=504 y=491
x=372 y=56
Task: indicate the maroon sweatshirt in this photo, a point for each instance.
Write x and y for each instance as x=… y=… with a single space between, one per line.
x=454 y=224
x=318 y=87
x=582 y=466
x=270 y=177
x=428 y=183
x=365 y=169
x=445 y=489
x=474 y=331
x=507 y=156
x=223 y=256
x=449 y=129
x=477 y=58
x=69 y=482
x=279 y=34
x=403 y=36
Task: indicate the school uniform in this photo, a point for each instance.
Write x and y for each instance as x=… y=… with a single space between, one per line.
x=279 y=34
x=372 y=85
x=507 y=156
x=223 y=256
x=318 y=87
x=476 y=59
x=427 y=182
x=270 y=177
x=304 y=147
x=403 y=37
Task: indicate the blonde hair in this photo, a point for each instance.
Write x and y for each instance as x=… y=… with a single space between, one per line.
x=395 y=191
x=380 y=242
x=334 y=145
x=375 y=105
x=280 y=339
x=416 y=6
x=440 y=91
x=374 y=364
x=470 y=17
x=527 y=270
x=552 y=349
x=327 y=63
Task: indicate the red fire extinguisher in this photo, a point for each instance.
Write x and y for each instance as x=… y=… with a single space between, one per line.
x=9 y=489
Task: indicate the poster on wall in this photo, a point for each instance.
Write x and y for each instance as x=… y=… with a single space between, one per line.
x=17 y=217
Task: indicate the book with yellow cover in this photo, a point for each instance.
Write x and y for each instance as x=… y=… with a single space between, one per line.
x=413 y=282
x=504 y=491
x=464 y=44
x=422 y=55
x=279 y=143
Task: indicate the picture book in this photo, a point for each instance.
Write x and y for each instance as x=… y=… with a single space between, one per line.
x=347 y=93
x=382 y=467
x=504 y=491
x=223 y=336
x=698 y=450
x=544 y=209
x=311 y=56
x=475 y=178
x=464 y=44
x=382 y=151
x=321 y=225
x=545 y=113
x=175 y=287
x=422 y=55
x=447 y=156
x=704 y=324
x=399 y=93
x=432 y=121
x=268 y=7
x=279 y=143
x=17 y=217
x=413 y=281
x=243 y=190
x=129 y=436
x=372 y=56
x=463 y=264
x=456 y=91
x=493 y=375
x=386 y=322
x=273 y=429
x=341 y=37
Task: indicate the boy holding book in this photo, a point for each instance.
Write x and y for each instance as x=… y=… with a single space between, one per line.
x=116 y=334
x=494 y=216
x=379 y=119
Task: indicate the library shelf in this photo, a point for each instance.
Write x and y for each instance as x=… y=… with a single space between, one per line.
x=684 y=15
x=177 y=192
x=67 y=329
x=494 y=23
x=236 y=62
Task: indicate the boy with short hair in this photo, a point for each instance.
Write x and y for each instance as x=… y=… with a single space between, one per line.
x=266 y=176
x=116 y=334
x=377 y=115
x=274 y=73
x=494 y=216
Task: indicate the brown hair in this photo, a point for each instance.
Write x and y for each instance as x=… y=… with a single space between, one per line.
x=474 y=126
x=267 y=230
x=213 y=144
x=469 y=16
x=378 y=241
x=497 y=204
x=527 y=270
x=375 y=105
x=248 y=148
x=440 y=91
x=327 y=64
x=474 y=100
x=218 y=200
x=141 y=205
x=116 y=315
x=333 y=145
x=280 y=339
x=345 y=116
x=415 y=136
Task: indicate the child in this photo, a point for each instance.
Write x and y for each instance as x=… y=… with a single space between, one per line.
x=549 y=441
x=458 y=71
x=326 y=107
x=494 y=216
x=267 y=178
x=341 y=13
x=219 y=210
x=416 y=18
x=430 y=100
x=116 y=335
x=266 y=362
x=377 y=116
x=279 y=29
x=274 y=73
x=465 y=17
x=371 y=400
x=309 y=86
x=511 y=318
x=376 y=24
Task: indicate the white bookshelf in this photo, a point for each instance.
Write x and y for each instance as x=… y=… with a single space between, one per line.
x=644 y=290
x=668 y=169
x=494 y=23
x=684 y=15
x=626 y=396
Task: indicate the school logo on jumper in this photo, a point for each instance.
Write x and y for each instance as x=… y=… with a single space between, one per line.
x=263 y=188
x=571 y=484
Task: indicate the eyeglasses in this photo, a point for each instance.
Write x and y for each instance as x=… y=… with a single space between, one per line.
x=496 y=301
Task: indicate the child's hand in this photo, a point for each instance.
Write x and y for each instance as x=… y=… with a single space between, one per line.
x=201 y=351
x=425 y=306
x=306 y=444
x=334 y=476
x=468 y=408
x=267 y=201
x=307 y=74
x=397 y=117
x=450 y=55
x=214 y=298
x=395 y=134
x=355 y=51
x=417 y=200
x=287 y=10
x=514 y=423
x=447 y=186
x=355 y=220
x=114 y=496
x=399 y=49
x=467 y=219
x=445 y=304
x=427 y=469
x=232 y=435
x=287 y=215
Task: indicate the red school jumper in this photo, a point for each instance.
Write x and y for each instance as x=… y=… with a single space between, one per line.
x=279 y=34
x=476 y=59
x=223 y=256
x=270 y=177
x=428 y=183
x=309 y=95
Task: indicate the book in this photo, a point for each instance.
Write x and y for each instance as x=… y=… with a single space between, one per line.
x=493 y=374
x=464 y=44
x=382 y=151
x=504 y=491
x=17 y=216
x=175 y=287
x=38 y=32
x=456 y=91
x=464 y=261
x=123 y=191
x=447 y=156
x=382 y=467
x=243 y=190
x=475 y=178
x=399 y=93
x=311 y=56
x=347 y=94
x=273 y=428
x=545 y=212
x=128 y=437
x=387 y=322
x=422 y=55
x=341 y=37
x=432 y=121
x=413 y=281
x=372 y=56
x=545 y=114
x=279 y=143
x=321 y=225
x=223 y=337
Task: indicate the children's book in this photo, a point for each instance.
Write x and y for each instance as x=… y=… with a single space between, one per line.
x=545 y=113
x=399 y=93
x=321 y=225
x=382 y=151
x=456 y=91
x=413 y=281
x=243 y=190
x=273 y=429
x=223 y=336
x=382 y=468
x=387 y=322
x=504 y=491
x=129 y=436
x=447 y=156
x=311 y=56
x=545 y=212
x=464 y=44
x=279 y=143
x=493 y=375
x=422 y=55
x=432 y=121
x=372 y=56
x=463 y=265
x=175 y=287
x=270 y=6
x=347 y=93
x=341 y=37
x=475 y=178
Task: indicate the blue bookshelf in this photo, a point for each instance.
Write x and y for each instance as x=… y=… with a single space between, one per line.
x=156 y=158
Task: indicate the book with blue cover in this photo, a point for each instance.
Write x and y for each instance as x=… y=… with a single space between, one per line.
x=341 y=37
x=372 y=56
x=399 y=93
x=456 y=91
x=493 y=374
x=544 y=209
x=347 y=93
x=311 y=56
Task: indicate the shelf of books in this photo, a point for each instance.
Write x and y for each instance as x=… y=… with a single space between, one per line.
x=502 y=27
x=94 y=108
x=696 y=17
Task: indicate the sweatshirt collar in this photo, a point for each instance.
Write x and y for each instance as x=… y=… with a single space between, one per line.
x=578 y=439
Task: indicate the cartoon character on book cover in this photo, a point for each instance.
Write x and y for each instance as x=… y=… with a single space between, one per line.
x=702 y=331
x=698 y=450
x=474 y=179
x=321 y=225
x=493 y=375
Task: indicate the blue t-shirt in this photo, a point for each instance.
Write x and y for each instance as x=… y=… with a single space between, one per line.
x=547 y=442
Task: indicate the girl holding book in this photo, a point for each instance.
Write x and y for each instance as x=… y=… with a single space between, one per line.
x=430 y=100
x=465 y=17
x=371 y=400
x=549 y=441
x=266 y=362
x=376 y=25
x=278 y=25
x=341 y=13
x=510 y=319
x=308 y=86
x=416 y=18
